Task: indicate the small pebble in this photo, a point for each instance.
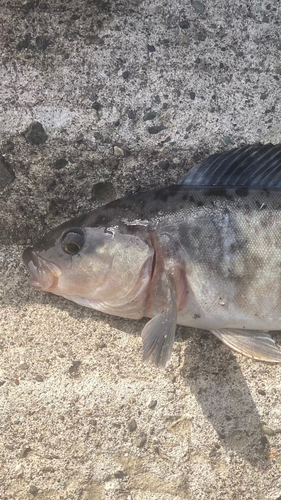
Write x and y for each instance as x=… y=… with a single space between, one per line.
x=142 y=440
x=176 y=161
x=156 y=129
x=42 y=42
x=132 y=425
x=119 y=474
x=60 y=163
x=149 y=116
x=118 y=151
x=126 y=74
x=39 y=378
x=36 y=134
x=97 y=106
x=184 y=25
x=19 y=470
x=225 y=141
x=33 y=490
x=24 y=452
x=268 y=431
x=74 y=368
x=192 y=95
x=150 y=48
x=24 y=366
x=152 y=403
x=117 y=425
x=198 y=6
x=132 y=115
x=263 y=96
x=98 y=136
x=164 y=164
x=103 y=192
x=213 y=452
x=6 y=174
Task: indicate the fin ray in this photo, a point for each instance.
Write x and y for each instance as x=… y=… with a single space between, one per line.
x=257 y=165
x=253 y=344
x=158 y=334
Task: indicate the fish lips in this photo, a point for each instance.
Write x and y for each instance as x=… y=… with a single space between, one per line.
x=43 y=274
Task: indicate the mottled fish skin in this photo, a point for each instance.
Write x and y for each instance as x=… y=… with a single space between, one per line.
x=228 y=241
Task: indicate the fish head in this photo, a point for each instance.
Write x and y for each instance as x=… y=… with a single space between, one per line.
x=110 y=267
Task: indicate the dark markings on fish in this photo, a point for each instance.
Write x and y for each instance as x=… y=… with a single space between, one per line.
x=217 y=191
x=184 y=197
x=196 y=232
x=164 y=197
x=154 y=210
x=242 y=191
x=196 y=316
x=175 y=189
x=191 y=199
x=101 y=221
x=124 y=205
x=162 y=194
x=266 y=191
x=200 y=204
x=237 y=246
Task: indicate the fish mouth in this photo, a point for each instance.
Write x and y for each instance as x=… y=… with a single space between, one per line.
x=43 y=274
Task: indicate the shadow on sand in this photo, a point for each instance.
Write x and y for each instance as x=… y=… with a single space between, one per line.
x=214 y=376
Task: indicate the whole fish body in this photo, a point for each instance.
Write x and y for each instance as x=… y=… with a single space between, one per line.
x=204 y=253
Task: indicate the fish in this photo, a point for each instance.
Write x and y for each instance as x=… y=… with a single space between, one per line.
x=204 y=253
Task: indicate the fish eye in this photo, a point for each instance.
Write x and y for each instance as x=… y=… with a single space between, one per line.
x=73 y=241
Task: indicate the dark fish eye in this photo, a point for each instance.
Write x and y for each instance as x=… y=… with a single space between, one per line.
x=73 y=241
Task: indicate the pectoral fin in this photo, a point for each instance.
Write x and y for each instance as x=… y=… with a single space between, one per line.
x=158 y=334
x=254 y=344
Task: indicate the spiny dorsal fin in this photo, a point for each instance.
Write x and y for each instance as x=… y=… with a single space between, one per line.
x=257 y=165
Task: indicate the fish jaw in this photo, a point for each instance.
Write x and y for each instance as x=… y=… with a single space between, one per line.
x=43 y=275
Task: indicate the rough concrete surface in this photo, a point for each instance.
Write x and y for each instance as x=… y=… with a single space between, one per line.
x=100 y=98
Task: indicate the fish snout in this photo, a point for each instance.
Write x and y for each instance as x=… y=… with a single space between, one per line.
x=43 y=274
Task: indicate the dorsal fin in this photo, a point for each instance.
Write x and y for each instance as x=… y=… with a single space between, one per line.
x=257 y=165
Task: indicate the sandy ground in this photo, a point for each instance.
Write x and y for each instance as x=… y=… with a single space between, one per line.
x=100 y=98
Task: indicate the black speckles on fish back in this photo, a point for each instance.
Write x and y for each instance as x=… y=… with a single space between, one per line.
x=220 y=191
x=242 y=191
x=175 y=204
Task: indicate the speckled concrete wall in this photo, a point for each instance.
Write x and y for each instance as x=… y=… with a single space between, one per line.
x=100 y=98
